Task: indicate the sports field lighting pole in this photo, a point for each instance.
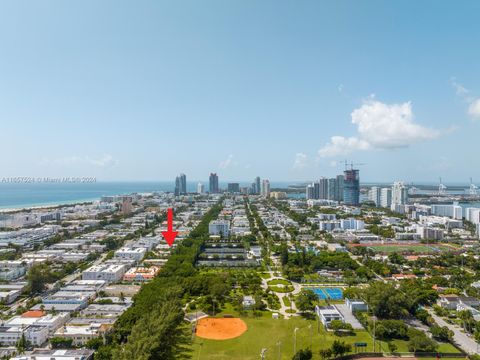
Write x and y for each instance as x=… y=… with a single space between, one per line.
x=311 y=339
x=374 y=331
x=262 y=354
x=295 y=340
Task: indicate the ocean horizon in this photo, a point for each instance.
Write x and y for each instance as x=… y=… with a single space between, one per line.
x=27 y=195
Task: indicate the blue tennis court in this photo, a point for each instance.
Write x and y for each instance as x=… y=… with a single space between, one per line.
x=327 y=293
x=321 y=295
x=334 y=293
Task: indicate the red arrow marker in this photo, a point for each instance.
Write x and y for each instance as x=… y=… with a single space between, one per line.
x=170 y=235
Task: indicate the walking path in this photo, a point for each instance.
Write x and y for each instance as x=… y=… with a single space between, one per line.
x=283 y=309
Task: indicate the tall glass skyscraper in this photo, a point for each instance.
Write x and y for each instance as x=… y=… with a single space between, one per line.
x=213 y=183
x=351 y=187
x=181 y=185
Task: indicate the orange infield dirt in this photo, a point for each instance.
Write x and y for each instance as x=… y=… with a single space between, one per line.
x=220 y=328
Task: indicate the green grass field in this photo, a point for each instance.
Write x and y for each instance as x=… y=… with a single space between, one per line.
x=265 y=332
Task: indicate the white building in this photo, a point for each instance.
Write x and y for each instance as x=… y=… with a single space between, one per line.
x=136 y=254
x=327 y=314
x=386 y=197
x=200 y=188
x=453 y=211
x=80 y=334
x=36 y=335
x=107 y=272
x=399 y=194
x=219 y=227
x=472 y=215
x=352 y=224
x=374 y=195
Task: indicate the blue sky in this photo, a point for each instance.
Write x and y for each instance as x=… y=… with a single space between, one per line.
x=144 y=90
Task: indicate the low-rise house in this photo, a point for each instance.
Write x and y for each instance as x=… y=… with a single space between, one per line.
x=81 y=334
x=57 y=354
x=449 y=301
x=141 y=273
x=36 y=335
x=39 y=318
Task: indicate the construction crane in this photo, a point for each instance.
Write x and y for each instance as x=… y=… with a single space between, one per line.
x=351 y=164
x=442 y=189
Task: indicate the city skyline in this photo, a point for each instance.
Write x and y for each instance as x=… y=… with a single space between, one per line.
x=96 y=98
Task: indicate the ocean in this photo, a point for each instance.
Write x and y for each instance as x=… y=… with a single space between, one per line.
x=14 y=195
x=22 y=195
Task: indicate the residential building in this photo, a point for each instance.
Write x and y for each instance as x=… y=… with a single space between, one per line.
x=200 y=188
x=386 y=198
x=374 y=194
x=108 y=272
x=257 y=185
x=265 y=188
x=181 y=185
x=453 y=211
x=233 y=188
x=136 y=254
x=351 y=187
x=399 y=194
x=219 y=227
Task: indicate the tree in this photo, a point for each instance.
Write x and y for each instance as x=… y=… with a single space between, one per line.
x=22 y=344
x=325 y=353
x=441 y=333
x=419 y=341
x=340 y=348
x=304 y=354
x=61 y=342
x=392 y=347
x=306 y=300
x=38 y=276
x=94 y=343
x=155 y=334
x=338 y=325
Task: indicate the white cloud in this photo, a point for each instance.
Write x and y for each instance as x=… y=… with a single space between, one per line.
x=474 y=108
x=464 y=93
x=104 y=161
x=460 y=90
x=340 y=145
x=379 y=126
x=300 y=161
x=226 y=163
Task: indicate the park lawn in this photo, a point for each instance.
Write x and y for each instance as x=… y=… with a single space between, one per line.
x=279 y=282
x=265 y=276
x=402 y=346
x=265 y=332
x=286 y=301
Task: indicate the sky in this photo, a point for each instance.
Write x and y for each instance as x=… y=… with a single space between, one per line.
x=286 y=90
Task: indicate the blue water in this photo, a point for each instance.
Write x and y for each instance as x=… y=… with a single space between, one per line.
x=38 y=194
